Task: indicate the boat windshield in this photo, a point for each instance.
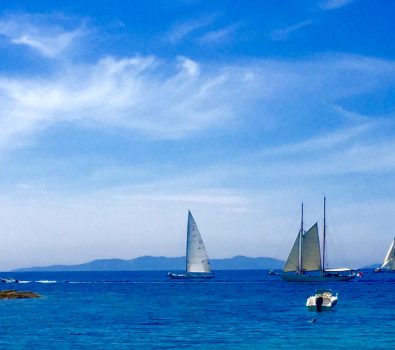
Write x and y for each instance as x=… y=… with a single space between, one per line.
x=322 y=291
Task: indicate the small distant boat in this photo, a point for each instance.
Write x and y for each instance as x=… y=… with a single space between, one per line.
x=197 y=262
x=323 y=299
x=304 y=261
x=389 y=260
x=272 y=273
x=8 y=280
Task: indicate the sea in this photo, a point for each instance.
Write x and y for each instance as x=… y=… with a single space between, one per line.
x=235 y=310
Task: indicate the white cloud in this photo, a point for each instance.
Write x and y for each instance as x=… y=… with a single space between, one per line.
x=218 y=35
x=82 y=226
x=74 y=228
x=349 y=151
x=190 y=66
x=200 y=30
x=135 y=94
x=160 y=99
x=322 y=142
x=36 y=32
x=47 y=46
x=182 y=30
x=150 y=97
x=357 y=158
x=284 y=33
x=335 y=4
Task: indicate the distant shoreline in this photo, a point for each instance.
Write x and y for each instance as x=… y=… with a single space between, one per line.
x=152 y=263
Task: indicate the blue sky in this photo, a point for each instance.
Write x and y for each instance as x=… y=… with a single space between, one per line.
x=118 y=117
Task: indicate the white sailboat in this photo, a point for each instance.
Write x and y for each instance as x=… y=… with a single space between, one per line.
x=197 y=262
x=304 y=261
x=389 y=260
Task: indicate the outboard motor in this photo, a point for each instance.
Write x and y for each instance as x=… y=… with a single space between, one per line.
x=318 y=303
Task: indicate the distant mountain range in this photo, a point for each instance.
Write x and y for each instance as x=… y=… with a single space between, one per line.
x=371 y=267
x=149 y=263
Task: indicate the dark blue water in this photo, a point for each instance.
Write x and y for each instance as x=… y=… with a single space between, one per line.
x=236 y=310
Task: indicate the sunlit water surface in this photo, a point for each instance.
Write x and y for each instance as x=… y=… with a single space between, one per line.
x=236 y=310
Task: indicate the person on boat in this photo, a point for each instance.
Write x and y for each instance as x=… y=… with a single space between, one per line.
x=318 y=303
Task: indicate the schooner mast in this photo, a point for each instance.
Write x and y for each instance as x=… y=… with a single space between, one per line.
x=301 y=244
x=324 y=240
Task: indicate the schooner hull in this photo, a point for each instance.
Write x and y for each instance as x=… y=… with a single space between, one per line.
x=315 y=278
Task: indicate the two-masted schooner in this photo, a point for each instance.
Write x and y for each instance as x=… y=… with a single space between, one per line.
x=389 y=260
x=197 y=262
x=304 y=263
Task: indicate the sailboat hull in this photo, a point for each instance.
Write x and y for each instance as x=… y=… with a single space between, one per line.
x=190 y=276
x=316 y=278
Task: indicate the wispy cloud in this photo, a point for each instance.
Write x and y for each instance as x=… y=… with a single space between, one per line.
x=166 y=100
x=47 y=46
x=335 y=4
x=126 y=93
x=353 y=150
x=218 y=35
x=357 y=158
x=322 y=142
x=189 y=66
x=284 y=33
x=284 y=128
x=182 y=30
x=37 y=32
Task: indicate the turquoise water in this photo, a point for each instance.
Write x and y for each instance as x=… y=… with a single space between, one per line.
x=236 y=310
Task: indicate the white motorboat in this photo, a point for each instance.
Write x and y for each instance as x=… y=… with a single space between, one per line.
x=323 y=299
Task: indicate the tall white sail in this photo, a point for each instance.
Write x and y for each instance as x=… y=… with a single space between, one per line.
x=292 y=263
x=311 y=255
x=389 y=260
x=197 y=259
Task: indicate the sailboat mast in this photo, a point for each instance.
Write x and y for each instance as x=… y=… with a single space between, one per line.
x=324 y=240
x=188 y=238
x=301 y=243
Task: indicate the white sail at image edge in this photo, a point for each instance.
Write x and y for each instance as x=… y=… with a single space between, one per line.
x=389 y=260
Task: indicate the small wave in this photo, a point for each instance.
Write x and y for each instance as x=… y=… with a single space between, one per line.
x=79 y=282
x=24 y=281
x=46 y=281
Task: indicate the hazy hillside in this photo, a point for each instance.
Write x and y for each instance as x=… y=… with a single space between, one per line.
x=163 y=263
